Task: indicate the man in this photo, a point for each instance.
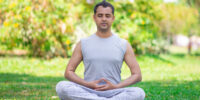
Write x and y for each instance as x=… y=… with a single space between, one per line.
x=103 y=54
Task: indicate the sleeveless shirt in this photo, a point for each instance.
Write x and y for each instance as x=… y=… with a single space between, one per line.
x=103 y=57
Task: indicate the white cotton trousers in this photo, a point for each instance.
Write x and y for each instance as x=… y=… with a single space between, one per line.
x=71 y=91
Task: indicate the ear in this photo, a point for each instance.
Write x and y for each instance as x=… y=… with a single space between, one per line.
x=113 y=17
x=94 y=17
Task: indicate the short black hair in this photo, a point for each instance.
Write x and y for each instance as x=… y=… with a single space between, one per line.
x=104 y=3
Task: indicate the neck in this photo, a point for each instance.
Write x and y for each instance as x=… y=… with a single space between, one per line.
x=104 y=34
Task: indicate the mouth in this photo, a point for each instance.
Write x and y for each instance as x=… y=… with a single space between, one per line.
x=103 y=24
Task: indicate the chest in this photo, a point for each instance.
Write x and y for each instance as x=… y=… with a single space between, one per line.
x=110 y=52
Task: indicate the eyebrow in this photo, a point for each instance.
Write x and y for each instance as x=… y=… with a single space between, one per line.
x=103 y=14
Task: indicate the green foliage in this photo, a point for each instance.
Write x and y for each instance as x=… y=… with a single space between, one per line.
x=179 y=19
x=43 y=27
x=48 y=28
x=136 y=22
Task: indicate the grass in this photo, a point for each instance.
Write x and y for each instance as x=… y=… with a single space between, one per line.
x=167 y=76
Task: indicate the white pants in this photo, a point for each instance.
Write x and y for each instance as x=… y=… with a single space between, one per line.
x=71 y=91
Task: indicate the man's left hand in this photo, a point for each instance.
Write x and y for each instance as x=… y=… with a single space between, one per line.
x=107 y=86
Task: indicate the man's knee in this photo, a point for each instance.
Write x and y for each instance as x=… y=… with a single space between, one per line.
x=59 y=86
x=62 y=85
x=139 y=91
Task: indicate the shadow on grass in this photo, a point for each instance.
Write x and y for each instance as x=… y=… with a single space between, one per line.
x=182 y=55
x=178 y=55
x=171 y=90
x=196 y=54
x=23 y=86
x=159 y=58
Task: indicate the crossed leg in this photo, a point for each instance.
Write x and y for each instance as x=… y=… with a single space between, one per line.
x=70 y=91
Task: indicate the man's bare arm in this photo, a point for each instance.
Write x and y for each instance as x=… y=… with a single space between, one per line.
x=75 y=60
x=130 y=60
x=72 y=65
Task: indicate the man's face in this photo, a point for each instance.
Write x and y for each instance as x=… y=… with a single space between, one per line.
x=103 y=18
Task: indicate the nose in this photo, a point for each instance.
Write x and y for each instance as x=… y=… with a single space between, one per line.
x=104 y=18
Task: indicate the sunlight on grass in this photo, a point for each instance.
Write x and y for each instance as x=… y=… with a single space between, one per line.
x=169 y=76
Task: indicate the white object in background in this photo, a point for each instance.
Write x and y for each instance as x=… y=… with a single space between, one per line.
x=181 y=40
x=170 y=1
x=195 y=42
x=90 y=1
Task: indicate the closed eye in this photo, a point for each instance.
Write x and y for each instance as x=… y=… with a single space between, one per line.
x=108 y=15
x=100 y=15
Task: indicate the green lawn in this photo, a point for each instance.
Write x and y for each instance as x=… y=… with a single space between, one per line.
x=168 y=76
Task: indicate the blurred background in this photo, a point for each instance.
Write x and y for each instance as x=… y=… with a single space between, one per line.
x=50 y=28
x=37 y=38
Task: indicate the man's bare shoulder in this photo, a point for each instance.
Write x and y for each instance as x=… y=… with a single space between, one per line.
x=78 y=45
x=77 y=50
x=129 y=49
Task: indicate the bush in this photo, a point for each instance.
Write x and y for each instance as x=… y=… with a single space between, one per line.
x=44 y=27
